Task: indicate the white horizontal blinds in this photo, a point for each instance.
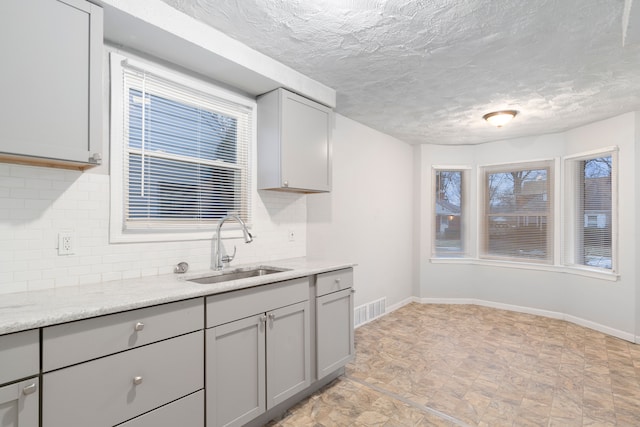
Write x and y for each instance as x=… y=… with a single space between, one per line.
x=518 y=213
x=594 y=216
x=449 y=213
x=186 y=155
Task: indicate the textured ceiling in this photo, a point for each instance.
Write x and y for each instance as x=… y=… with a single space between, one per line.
x=425 y=71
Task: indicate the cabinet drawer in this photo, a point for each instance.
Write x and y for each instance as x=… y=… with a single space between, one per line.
x=188 y=412
x=19 y=355
x=224 y=308
x=104 y=392
x=83 y=340
x=333 y=281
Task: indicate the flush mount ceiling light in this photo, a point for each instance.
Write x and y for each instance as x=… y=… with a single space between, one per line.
x=500 y=118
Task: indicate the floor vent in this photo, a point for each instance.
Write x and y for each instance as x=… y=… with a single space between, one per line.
x=377 y=308
x=359 y=315
x=367 y=312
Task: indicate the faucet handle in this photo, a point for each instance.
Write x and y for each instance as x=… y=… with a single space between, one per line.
x=228 y=258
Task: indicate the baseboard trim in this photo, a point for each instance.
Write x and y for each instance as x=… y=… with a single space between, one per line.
x=402 y=303
x=538 y=312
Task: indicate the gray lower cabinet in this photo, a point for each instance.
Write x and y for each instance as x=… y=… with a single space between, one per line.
x=288 y=352
x=185 y=412
x=334 y=321
x=113 y=389
x=19 y=404
x=236 y=372
x=19 y=398
x=334 y=331
x=256 y=362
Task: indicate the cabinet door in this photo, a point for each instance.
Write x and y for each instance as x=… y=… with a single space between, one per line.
x=235 y=372
x=19 y=404
x=288 y=352
x=305 y=144
x=50 y=78
x=334 y=327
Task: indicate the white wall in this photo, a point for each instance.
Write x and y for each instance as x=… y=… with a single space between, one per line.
x=37 y=203
x=368 y=217
x=604 y=304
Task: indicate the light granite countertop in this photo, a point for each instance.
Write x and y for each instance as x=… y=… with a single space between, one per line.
x=28 y=310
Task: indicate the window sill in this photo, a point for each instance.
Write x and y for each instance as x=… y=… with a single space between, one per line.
x=177 y=236
x=580 y=271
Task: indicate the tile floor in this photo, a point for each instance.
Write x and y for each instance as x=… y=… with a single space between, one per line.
x=465 y=365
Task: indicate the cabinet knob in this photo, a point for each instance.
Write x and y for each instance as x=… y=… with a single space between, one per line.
x=263 y=318
x=338 y=281
x=137 y=380
x=31 y=388
x=272 y=316
x=138 y=327
x=353 y=291
x=285 y=183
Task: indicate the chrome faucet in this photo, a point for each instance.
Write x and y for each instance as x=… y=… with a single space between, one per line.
x=219 y=259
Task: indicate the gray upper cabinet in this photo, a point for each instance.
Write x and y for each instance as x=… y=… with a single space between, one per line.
x=51 y=82
x=294 y=143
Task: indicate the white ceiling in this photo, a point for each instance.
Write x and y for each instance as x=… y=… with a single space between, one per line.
x=425 y=71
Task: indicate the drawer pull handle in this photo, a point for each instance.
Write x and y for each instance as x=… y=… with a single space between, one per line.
x=338 y=281
x=263 y=318
x=138 y=327
x=272 y=316
x=137 y=380
x=31 y=388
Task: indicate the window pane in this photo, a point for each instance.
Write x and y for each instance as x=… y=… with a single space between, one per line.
x=175 y=128
x=595 y=214
x=448 y=205
x=175 y=190
x=518 y=214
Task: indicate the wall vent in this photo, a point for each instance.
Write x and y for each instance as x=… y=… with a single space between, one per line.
x=368 y=312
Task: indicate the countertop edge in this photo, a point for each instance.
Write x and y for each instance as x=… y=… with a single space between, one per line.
x=30 y=310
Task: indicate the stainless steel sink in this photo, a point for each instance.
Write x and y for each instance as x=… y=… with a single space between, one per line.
x=235 y=274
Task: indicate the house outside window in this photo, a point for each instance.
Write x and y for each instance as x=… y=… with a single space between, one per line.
x=591 y=216
x=180 y=154
x=517 y=218
x=450 y=213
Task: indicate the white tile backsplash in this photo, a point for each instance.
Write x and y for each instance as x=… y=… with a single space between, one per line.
x=38 y=203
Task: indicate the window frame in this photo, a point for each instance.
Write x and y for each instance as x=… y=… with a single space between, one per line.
x=483 y=217
x=118 y=232
x=465 y=172
x=571 y=207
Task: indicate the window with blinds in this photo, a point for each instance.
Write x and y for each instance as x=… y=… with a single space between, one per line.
x=450 y=213
x=591 y=218
x=184 y=151
x=518 y=213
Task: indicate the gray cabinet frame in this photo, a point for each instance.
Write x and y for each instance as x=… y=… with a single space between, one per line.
x=51 y=82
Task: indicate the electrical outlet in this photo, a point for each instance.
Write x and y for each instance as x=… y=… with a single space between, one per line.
x=292 y=236
x=65 y=243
